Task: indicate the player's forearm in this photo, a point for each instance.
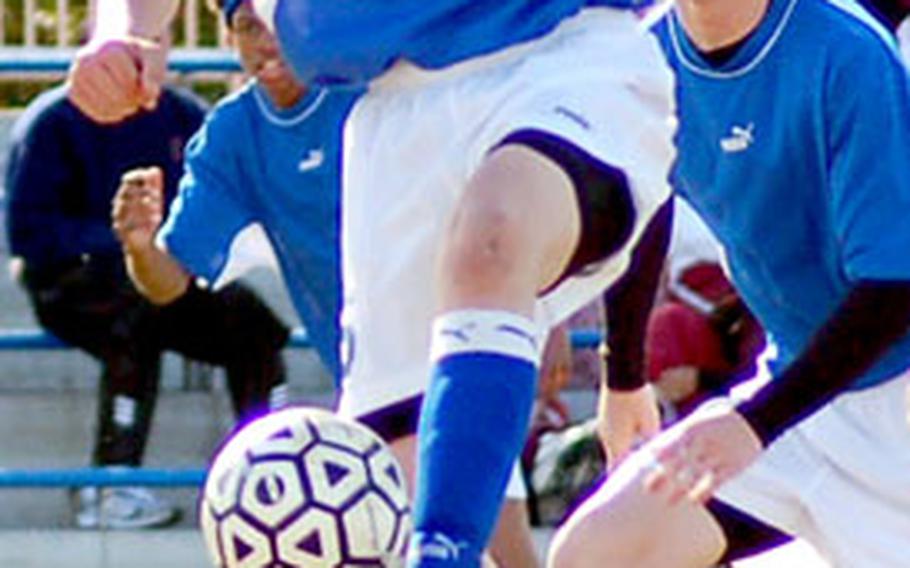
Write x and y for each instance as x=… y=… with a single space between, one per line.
x=143 y=18
x=873 y=316
x=629 y=302
x=156 y=274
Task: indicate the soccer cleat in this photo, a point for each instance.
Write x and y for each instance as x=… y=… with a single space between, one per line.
x=123 y=508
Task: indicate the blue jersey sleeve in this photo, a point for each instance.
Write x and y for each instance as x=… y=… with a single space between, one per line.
x=868 y=118
x=208 y=211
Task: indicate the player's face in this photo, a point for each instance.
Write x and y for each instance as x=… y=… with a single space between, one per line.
x=261 y=57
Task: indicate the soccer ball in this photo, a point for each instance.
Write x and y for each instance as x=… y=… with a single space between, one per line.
x=302 y=487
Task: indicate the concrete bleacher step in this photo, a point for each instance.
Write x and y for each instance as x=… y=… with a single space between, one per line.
x=183 y=548
x=54 y=430
x=171 y=548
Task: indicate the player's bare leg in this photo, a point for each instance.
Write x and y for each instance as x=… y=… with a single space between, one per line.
x=511 y=545
x=512 y=234
x=620 y=525
x=405 y=449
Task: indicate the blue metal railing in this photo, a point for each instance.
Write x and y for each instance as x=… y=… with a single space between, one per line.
x=27 y=60
x=40 y=340
x=100 y=477
x=37 y=339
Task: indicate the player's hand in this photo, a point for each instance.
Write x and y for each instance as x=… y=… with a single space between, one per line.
x=626 y=419
x=138 y=208
x=112 y=79
x=701 y=453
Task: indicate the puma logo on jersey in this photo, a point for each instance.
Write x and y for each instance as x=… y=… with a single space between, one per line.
x=739 y=139
x=313 y=160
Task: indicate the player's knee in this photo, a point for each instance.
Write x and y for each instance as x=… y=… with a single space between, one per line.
x=485 y=243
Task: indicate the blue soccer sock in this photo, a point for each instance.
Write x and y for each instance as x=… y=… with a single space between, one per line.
x=473 y=425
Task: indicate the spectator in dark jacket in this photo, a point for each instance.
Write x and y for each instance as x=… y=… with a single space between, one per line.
x=63 y=172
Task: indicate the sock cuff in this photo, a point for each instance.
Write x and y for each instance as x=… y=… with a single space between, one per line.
x=486 y=331
x=279 y=396
x=124 y=411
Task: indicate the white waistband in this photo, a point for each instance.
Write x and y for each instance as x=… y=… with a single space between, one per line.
x=404 y=74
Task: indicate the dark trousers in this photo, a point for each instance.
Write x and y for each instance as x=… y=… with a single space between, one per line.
x=101 y=312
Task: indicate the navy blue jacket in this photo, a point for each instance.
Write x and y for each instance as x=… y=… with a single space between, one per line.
x=64 y=170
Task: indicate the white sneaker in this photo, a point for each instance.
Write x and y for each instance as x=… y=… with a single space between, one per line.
x=123 y=508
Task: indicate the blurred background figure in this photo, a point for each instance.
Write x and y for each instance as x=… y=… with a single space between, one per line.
x=701 y=337
x=563 y=458
x=63 y=171
x=267 y=157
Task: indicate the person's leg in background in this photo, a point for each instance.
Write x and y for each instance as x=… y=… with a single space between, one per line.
x=232 y=327
x=124 y=418
x=103 y=315
x=128 y=395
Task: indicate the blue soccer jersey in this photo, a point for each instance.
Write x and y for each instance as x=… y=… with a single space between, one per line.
x=795 y=153
x=253 y=163
x=356 y=40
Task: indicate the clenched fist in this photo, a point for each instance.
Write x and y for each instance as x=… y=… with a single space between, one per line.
x=138 y=208
x=112 y=79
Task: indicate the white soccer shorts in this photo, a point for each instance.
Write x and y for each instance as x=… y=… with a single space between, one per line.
x=413 y=142
x=840 y=479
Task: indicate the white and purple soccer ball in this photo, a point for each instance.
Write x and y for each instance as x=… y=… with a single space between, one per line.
x=302 y=487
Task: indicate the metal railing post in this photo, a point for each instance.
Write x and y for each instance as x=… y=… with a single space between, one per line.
x=29 y=13
x=63 y=20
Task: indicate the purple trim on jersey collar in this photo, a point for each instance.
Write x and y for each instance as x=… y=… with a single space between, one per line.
x=230 y=6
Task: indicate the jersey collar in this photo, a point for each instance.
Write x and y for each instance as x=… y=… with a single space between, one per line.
x=749 y=55
x=288 y=116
